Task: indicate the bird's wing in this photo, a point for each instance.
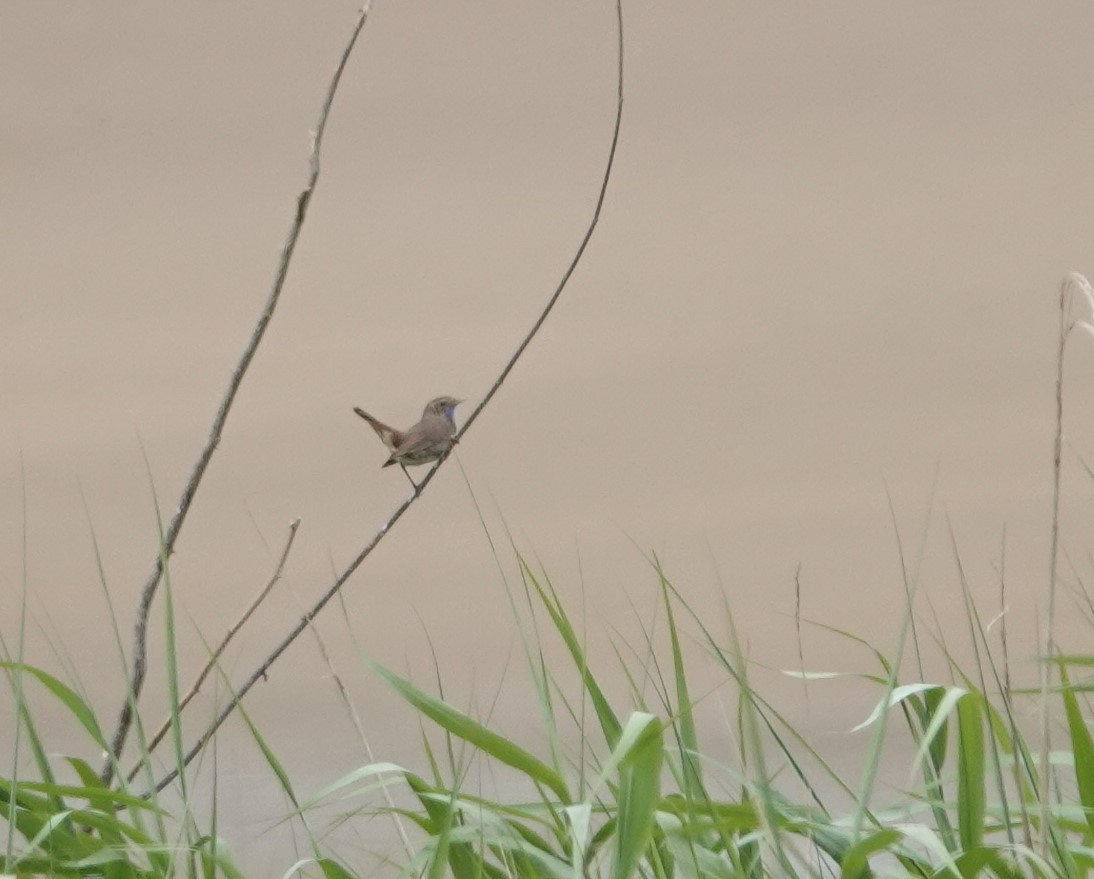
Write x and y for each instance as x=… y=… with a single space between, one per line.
x=389 y=436
x=427 y=433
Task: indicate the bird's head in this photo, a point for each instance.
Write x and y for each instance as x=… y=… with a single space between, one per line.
x=444 y=406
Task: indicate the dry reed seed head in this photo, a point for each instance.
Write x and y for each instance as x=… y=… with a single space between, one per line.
x=1076 y=288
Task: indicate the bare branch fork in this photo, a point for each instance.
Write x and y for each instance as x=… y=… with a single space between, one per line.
x=261 y=672
x=148 y=593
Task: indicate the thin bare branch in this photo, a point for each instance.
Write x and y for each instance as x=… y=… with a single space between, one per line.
x=214 y=657
x=148 y=593
x=262 y=670
x=581 y=248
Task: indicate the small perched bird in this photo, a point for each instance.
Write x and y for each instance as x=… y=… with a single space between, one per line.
x=426 y=441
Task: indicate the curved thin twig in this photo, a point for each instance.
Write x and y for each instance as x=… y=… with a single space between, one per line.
x=261 y=672
x=214 y=656
x=148 y=593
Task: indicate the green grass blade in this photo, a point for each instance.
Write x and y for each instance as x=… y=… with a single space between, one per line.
x=66 y=696
x=1082 y=749
x=609 y=723
x=685 y=718
x=639 y=791
x=333 y=870
x=473 y=732
x=171 y=668
x=856 y=859
x=970 y=771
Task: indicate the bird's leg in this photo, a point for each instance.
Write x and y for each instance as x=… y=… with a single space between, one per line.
x=408 y=476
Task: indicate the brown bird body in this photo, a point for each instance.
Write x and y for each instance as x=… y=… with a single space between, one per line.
x=423 y=443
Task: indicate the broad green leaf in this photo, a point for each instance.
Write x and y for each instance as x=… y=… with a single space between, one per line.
x=1082 y=749
x=970 y=772
x=334 y=870
x=894 y=698
x=639 y=790
x=856 y=858
x=942 y=709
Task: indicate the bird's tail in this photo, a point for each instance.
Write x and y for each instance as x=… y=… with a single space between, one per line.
x=389 y=436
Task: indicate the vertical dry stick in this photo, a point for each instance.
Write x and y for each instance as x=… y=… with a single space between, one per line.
x=140 y=633
x=355 y=719
x=1008 y=691
x=798 y=629
x=1049 y=642
x=1071 y=287
x=260 y=672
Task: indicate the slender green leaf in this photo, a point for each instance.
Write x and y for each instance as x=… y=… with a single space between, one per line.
x=67 y=697
x=942 y=709
x=1082 y=749
x=933 y=701
x=462 y=726
x=639 y=791
x=609 y=723
x=333 y=870
x=970 y=772
x=103 y=797
x=689 y=737
x=856 y=858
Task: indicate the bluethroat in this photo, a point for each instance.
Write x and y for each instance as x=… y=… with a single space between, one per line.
x=426 y=441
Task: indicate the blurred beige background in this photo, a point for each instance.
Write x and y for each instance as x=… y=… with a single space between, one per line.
x=826 y=276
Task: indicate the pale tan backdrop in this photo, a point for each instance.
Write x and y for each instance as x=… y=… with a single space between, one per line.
x=826 y=276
